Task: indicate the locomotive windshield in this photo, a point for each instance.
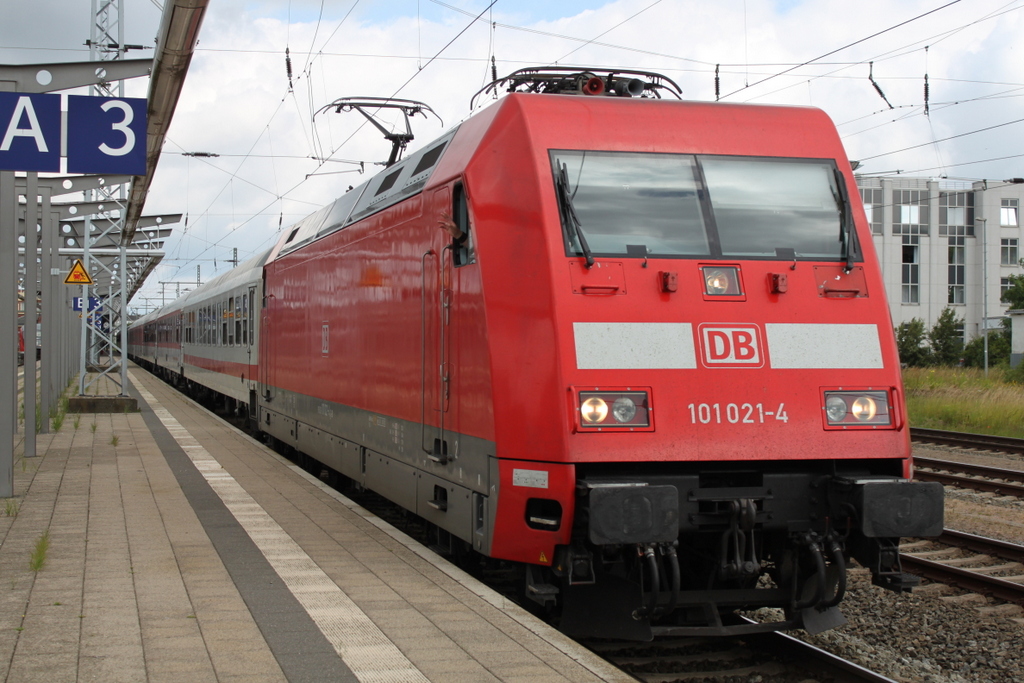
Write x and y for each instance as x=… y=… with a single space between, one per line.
x=677 y=205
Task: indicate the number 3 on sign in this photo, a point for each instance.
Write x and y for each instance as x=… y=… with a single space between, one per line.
x=122 y=127
x=106 y=135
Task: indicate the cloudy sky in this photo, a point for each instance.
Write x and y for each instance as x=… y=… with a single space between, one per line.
x=271 y=169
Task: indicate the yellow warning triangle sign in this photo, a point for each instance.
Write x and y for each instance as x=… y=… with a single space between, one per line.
x=78 y=275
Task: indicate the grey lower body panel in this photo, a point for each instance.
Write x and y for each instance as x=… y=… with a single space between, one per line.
x=386 y=455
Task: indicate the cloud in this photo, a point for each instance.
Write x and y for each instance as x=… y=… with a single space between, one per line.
x=237 y=102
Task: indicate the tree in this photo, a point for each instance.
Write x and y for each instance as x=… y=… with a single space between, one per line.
x=998 y=349
x=946 y=339
x=910 y=342
x=1015 y=294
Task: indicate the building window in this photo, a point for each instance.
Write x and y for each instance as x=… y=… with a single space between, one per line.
x=1005 y=284
x=1008 y=213
x=956 y=271
x=956 y=213
x=1008 y=251
x=911 y=269
x=910 y=212
x=872 y=198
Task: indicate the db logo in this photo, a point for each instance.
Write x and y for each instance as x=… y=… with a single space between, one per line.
x=731 y=346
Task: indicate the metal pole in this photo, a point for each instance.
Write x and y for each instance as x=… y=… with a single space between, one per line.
x=123 y=275
x=31 y=308
x=83 y=328
x=47 y=308
x=8 y=330
x=984 y=285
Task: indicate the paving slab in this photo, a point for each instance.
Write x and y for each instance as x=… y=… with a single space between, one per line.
x=182 y=549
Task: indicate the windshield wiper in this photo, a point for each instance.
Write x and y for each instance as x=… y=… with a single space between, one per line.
x=569 y=218
x=846 y=232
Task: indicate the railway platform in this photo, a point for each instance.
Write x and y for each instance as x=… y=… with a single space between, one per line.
x=165 y=545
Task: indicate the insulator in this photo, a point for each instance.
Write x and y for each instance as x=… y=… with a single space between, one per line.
x=288 y=67
x=717 y=84
x=926 y=95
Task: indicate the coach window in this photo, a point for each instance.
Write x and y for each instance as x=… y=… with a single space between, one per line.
x=225 y=311
x=229 y=320
x=239 y=324
x=245 y=318
x=462 y=248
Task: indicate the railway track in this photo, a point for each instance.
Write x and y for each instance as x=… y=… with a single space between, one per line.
x=995 y=569
x=969 y=476
x=966 y=440
x=772 y=656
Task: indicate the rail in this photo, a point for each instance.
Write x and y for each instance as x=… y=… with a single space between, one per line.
x=961 y=474
x=967 y=440
x=974 y=581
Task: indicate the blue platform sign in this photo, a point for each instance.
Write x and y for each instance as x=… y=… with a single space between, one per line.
x=106 y=135
x=94 y=303
x=30 y=132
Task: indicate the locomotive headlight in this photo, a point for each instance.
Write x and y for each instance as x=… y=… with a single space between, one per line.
x=624 y=409
x=721 y=281
x=864 y=408
x=835 y=406
x=847 y=409
x=594 y=410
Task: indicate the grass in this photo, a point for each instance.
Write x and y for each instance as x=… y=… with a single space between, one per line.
x=93 y=427
x=113 y=440
x=963 y=399
x=58 y=412
x=38 y=558
x=10 y=507
x=78 y=421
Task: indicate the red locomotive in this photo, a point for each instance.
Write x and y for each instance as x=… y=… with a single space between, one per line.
x=653 y=364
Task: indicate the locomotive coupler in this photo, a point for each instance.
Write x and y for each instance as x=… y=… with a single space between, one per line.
x=737 y=554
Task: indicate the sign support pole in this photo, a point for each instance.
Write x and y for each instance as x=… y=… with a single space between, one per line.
x=49 y=310
x=8 y=331
x=123 y=345
x=84 y=342
x=31 y=309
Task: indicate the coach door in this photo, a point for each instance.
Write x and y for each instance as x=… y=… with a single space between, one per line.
x=249 y=337
x=263 y=337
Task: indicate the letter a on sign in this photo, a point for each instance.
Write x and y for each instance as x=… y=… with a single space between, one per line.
x=78 y=275
x=29 y=132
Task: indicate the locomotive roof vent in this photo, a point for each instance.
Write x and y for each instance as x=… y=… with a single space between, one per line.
x=567 y=80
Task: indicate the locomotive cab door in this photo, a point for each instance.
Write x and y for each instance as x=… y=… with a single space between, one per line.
x=438 y=438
